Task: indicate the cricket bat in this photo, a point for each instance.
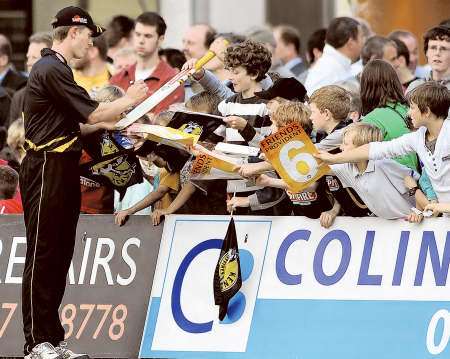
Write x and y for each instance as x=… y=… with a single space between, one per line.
x=162 y=93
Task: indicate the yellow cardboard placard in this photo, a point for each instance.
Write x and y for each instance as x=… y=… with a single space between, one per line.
x=290 y=151
x=165 y=135
x=206 y=166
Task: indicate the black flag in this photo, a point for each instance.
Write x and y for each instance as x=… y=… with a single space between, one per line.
x=227 y=276
x=113 y=162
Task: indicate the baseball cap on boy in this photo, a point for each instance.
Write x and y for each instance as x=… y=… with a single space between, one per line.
x=75 y=16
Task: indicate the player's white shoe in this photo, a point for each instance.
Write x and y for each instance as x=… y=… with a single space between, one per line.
x=44 y=351
x=69 y=354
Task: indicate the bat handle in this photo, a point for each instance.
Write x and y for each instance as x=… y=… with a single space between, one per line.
x=202 y=61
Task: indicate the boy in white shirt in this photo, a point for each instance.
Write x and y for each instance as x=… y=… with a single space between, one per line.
x=429 y=104
x=379 y=183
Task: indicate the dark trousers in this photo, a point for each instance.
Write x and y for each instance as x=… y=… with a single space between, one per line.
x=50 y=188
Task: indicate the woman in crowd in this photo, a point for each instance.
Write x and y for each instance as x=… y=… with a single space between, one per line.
x=384 y=105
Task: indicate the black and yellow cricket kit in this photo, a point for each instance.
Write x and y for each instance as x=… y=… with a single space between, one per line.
x=50 y=187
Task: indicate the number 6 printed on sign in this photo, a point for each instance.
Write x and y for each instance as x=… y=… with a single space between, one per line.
x=302 y=167
x=290 y=151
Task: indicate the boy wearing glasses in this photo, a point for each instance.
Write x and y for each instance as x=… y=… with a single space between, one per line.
x=437 y=51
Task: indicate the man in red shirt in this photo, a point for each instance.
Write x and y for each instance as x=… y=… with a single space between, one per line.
x=147 y=39
x=9 y=180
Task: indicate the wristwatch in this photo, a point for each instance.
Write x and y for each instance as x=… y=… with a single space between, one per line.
x=412 y=191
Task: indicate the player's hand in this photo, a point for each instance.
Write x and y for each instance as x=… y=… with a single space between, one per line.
x=108 y=126
x=121 y=217
x=325 y=157
x=137 y=92
x=157 y=216
x=327 y=219
x=235 y=122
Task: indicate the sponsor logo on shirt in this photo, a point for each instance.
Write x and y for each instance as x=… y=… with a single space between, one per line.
x=332 y=183
x=89 y=183
x=303 y=198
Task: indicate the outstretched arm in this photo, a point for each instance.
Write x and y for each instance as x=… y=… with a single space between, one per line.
x=182 y=197
x=122 y=216
x=355 y=155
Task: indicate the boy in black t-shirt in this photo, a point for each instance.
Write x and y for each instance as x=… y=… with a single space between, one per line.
x=330 y=106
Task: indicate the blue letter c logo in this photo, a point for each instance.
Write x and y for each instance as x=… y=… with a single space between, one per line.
x=237 y=304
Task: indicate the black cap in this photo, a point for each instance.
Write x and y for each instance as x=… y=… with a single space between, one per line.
x=287 y=88
x=75 y=16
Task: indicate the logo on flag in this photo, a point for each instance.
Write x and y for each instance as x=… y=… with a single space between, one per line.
x=227 y=276
x=112 y=164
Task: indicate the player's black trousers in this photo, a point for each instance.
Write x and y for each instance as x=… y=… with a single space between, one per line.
x=50 y=189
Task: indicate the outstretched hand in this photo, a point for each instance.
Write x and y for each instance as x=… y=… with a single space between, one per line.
x=325 y=157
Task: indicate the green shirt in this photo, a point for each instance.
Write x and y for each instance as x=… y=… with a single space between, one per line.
x=391 y=121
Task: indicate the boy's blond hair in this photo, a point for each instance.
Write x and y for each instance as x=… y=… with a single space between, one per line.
x=292 y=112
x=16 y=138
x=163 y=118
x=108 y=93
x=334 y=99
x=204 y=102
x=279 y=99
x=364 y=133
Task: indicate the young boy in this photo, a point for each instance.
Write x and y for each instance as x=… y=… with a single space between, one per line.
x=429 y=104
x=204 y=102
x=311 y=201
x=248 y=63
x=169 y=178
x=9 y=179
x=436 y=47
x=314 y=200
x=380 y=183
x=330 y=106
x=210 y=199
x=168 y=188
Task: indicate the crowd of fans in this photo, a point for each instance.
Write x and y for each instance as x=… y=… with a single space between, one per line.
x=377 y=117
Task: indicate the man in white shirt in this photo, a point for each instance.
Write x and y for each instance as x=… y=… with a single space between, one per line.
x=343 y=46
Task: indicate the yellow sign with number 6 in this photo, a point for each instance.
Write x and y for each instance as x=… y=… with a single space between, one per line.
x=290 y=152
